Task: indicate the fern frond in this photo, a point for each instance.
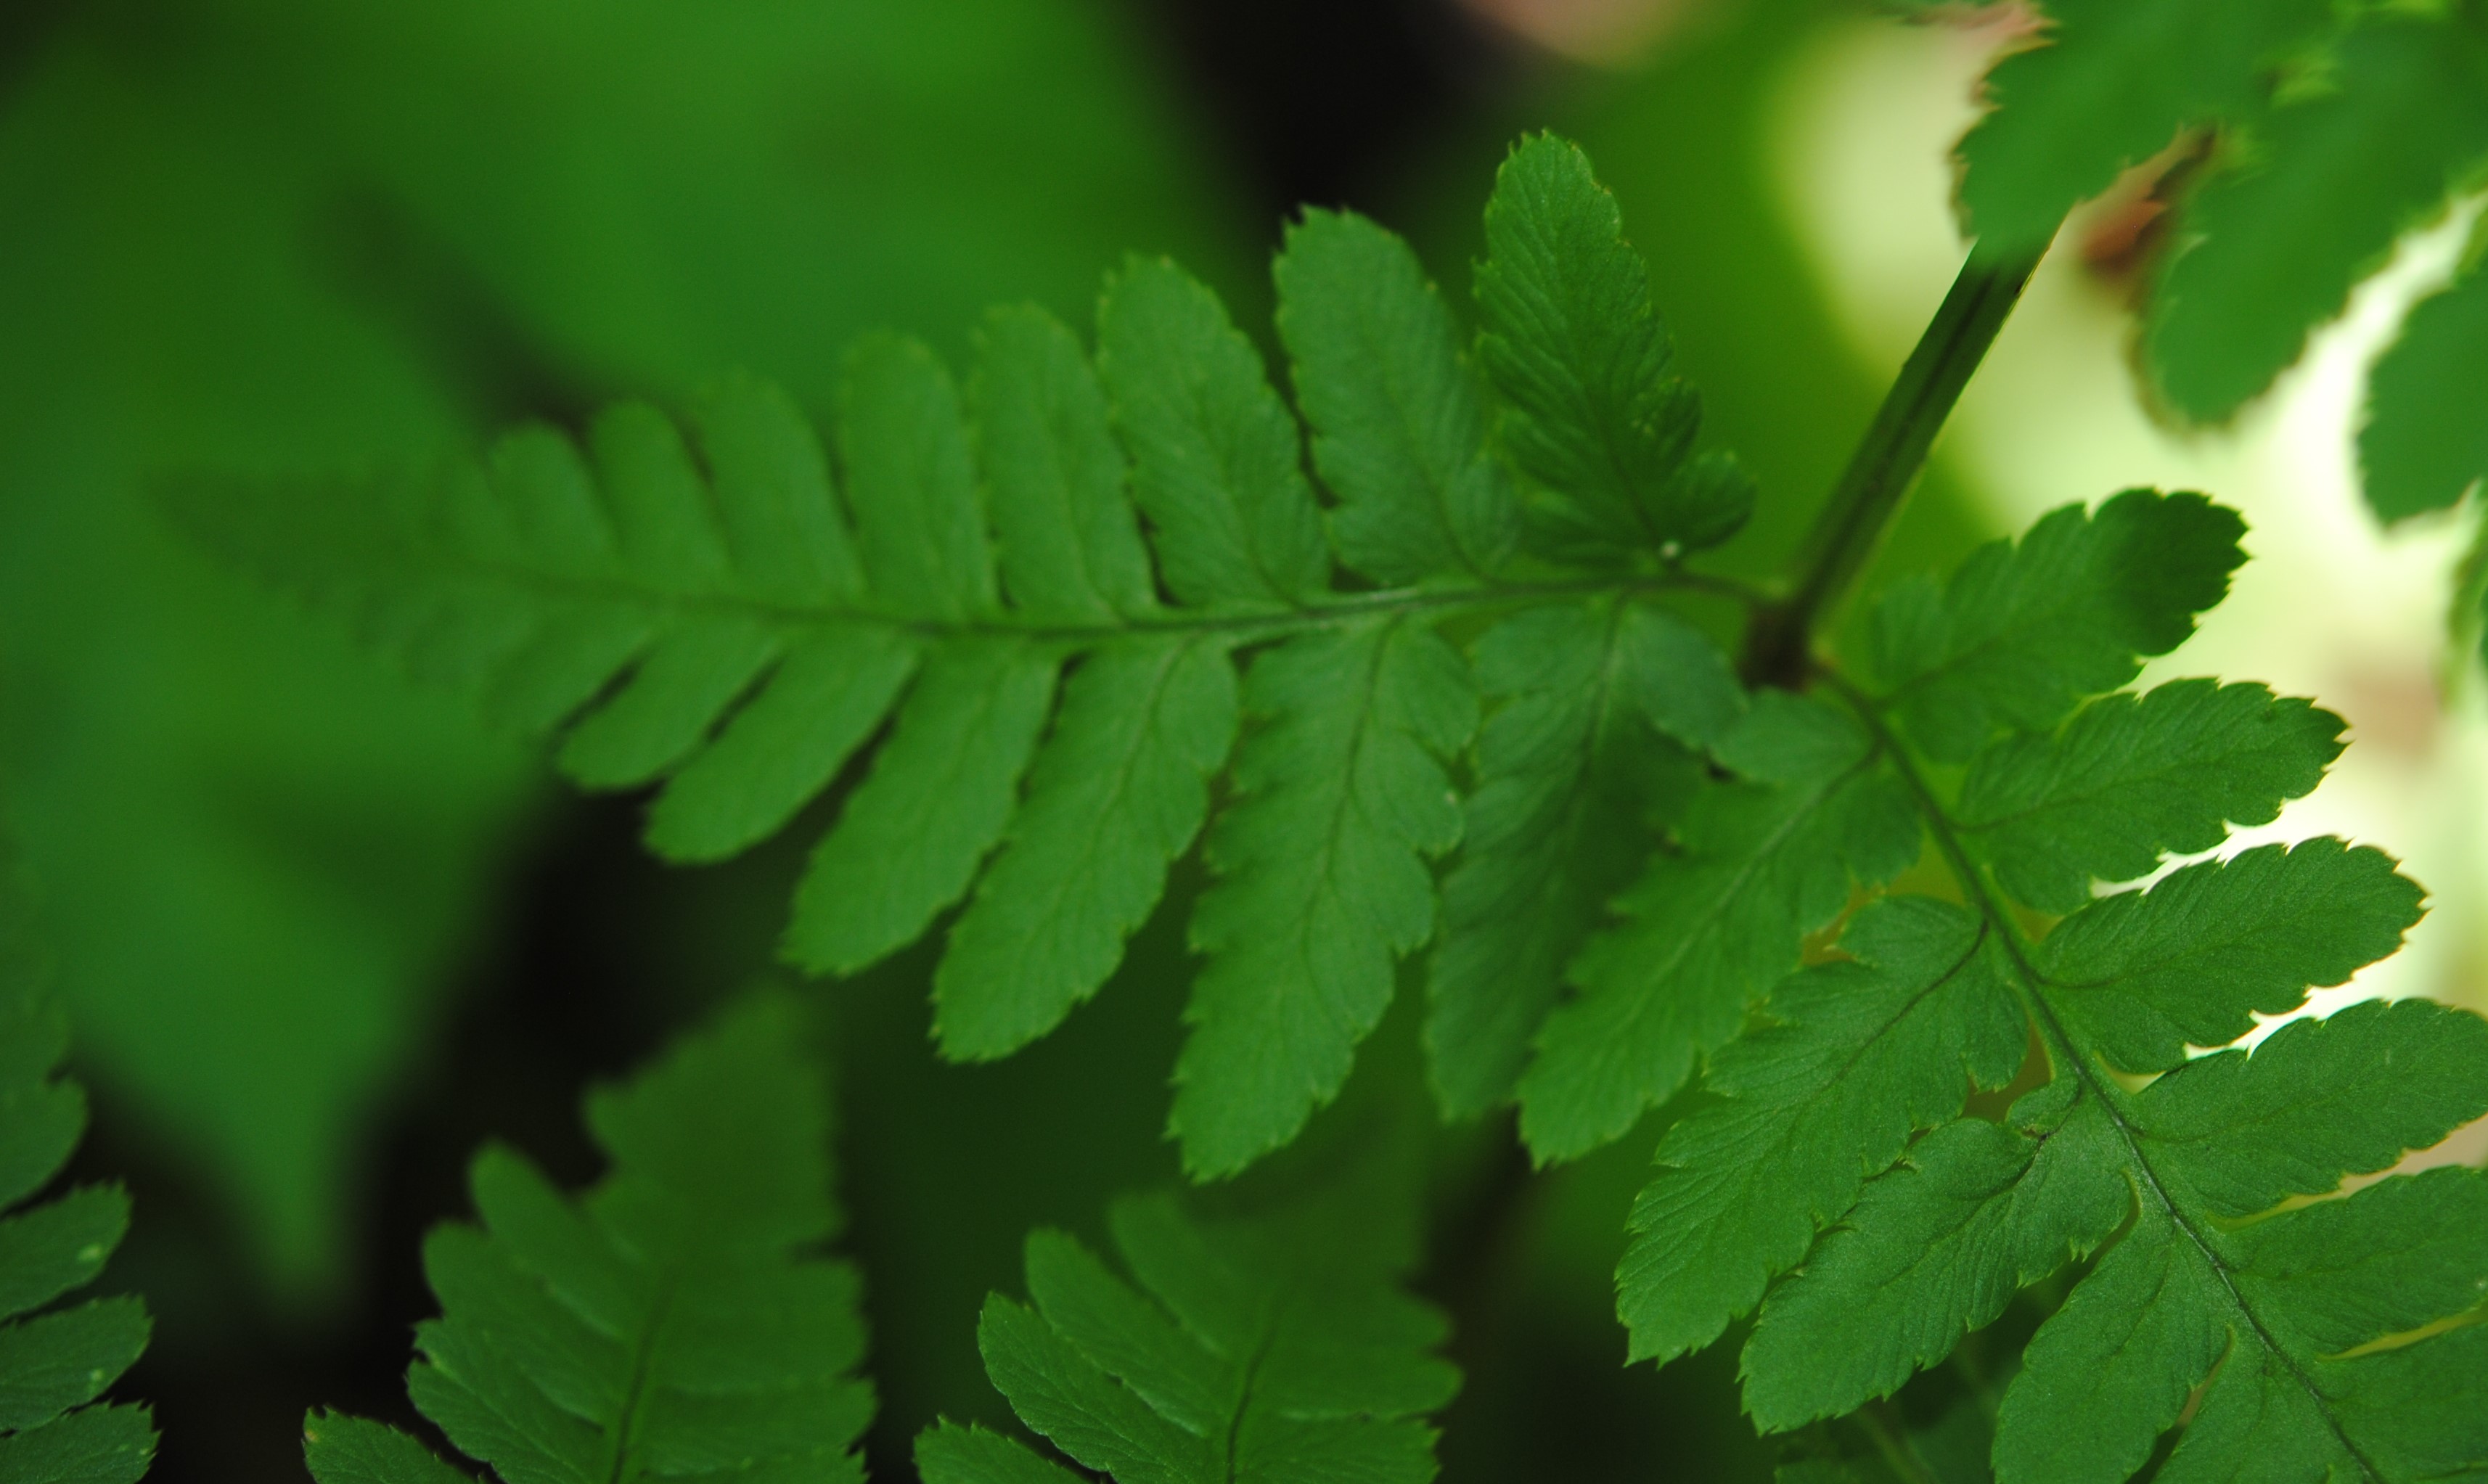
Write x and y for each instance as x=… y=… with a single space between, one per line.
x=1399 y=423
x=1833 y=1183
x=55 y=1362
x=1856 y=1054
x=1020 y=619
x=675 y=1322
x=1243 y=1352
x=2134 y=777
x=1598 y=711
x=1322 y=877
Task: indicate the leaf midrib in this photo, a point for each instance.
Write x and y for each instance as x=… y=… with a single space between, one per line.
x=1342 y=609
x=635 y=1393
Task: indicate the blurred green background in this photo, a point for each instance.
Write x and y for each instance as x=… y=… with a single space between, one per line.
x=321 y=933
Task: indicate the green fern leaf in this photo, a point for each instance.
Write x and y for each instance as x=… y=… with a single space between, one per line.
x=2424 y=445
x=1323 y=879
x=1713 y=924
x=2148 y=973
x=1216 y=460
x=1593 y=416
x=2132 y=777
x=1117 y=791
x=2113 y=87
x=344 y=1449
x=2274 y=248
x=1016 y=622
x=948 y=1453
x=1929 y=1251
x=2247 y=1134
x=935 y=803
x=1870 y=1249
x=1070 y=545
x=55 y=1362
x=903 y=448
x=1578 y=752
x=1241 y=1354
x=1856 y=1057
x=1398 y=424
x=675 y=1322
x=2023 y=630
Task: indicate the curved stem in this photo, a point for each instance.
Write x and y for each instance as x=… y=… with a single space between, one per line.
x=1861 y=506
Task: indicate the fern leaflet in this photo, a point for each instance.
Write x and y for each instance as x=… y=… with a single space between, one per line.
x=55 y=1362
x=1247 y=1351
x=675 y=1322
x=1833 y=1183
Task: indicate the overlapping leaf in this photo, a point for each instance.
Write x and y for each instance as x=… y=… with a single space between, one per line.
x=1857 y=1054
x=2273 y=247
x=2424 y=446
x=678 y=1321
x=1230 y=1352
x=2109 y=86
x=2323 y=135
x=1014 y=625
x=2132 y=777
x=55 y=1359
x=1597 y=708
x=1759 y=862
x=2024 y=630
x=1833 y=1186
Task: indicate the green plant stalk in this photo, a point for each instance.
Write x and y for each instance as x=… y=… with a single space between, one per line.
x=1862 y=505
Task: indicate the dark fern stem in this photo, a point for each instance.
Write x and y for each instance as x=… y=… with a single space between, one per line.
x=1863 y=505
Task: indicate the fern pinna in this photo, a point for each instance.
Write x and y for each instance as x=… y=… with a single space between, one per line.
x=1486 y=650
x=1254 y=1349
x=741 y=626
x=678 y=1321
x=55 y=1362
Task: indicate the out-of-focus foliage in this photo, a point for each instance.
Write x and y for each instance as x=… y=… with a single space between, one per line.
x=2314 y=138
x=267 y=234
